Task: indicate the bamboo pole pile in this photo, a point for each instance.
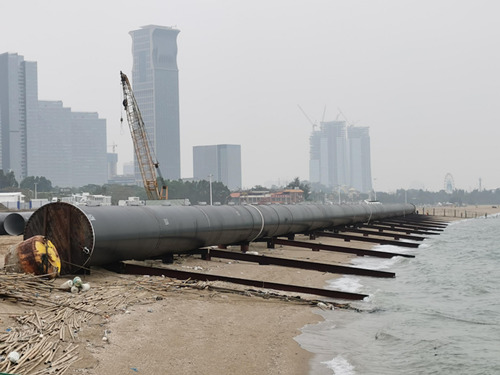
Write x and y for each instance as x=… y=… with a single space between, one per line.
x=46 y=336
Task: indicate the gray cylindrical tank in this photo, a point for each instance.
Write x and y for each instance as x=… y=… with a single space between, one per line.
x=100 y=235
x=15 y=222
x=3 y=215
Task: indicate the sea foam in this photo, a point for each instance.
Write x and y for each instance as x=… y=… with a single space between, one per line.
x=348 y=283
x=340 y=366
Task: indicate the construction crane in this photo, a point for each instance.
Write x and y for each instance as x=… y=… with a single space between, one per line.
x=142 y=147
x=314 y=125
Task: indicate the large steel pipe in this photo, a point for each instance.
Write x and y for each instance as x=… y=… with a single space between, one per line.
x=3 y=215
x=15 y=222
x=86 y=236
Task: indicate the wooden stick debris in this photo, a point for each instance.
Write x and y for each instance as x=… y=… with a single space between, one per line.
x=47 y=336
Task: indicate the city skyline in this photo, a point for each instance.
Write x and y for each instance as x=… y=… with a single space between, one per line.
x=422 y=75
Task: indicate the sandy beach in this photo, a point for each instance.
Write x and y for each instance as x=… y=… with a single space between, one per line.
x=154 y=325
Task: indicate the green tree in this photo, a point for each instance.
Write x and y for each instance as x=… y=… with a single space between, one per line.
x=7 y=180
x=94 y=189
x=197 y=191
x=296 y=183
x=42 y=184
x=259 y=188
x=123 y=192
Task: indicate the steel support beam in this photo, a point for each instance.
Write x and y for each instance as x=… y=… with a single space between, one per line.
x=414 y=224
x=381 y=241
x=396 y=236
x=421 y=219
x=135 y=269
x=294 y=263
x=393 y=228
x=415 y=228
x=341 y=249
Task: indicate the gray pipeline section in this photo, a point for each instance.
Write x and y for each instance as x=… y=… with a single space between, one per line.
x=3 y=215
x=102 y=235
x=13 y=223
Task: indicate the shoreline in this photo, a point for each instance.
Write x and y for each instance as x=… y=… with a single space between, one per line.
x=204 y=330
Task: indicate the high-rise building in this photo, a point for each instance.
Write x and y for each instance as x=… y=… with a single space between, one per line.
x=340 y=156
x=220 y=163
x=315 y=157
x=80 y=157
x=112 y=165
x=88 y=158
x=359 y=158
x=128 y=168
x=54 y=128
x=18 y=111
x=328 y=154
x=155 y=81
x=334 y=134
x=43 y=138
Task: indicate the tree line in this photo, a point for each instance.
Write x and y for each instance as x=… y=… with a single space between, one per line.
x=458 y=197
x=199 y=191
x=195 y=191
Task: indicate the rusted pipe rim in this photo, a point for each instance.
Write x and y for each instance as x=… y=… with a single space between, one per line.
x=69 y=229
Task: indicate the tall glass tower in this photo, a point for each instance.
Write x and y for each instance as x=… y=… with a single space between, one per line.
x=155 y=80
x=18 y=111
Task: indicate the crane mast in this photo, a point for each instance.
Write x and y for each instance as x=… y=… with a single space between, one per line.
x=141 y=144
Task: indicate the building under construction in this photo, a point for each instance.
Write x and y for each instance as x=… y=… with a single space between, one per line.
x=340 y=156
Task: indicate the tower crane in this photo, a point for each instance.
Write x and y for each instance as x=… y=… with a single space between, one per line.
x=314 y=125
x=142 y=147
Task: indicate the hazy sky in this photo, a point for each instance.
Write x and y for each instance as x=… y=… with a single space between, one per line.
x=423 y=75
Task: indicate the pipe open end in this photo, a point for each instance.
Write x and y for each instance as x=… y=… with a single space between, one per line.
x=14 y=224
x=69 y=229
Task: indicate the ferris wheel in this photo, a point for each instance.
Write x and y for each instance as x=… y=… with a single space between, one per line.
x=449 y=183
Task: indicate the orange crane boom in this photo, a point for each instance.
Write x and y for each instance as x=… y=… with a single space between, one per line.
x=141 y=144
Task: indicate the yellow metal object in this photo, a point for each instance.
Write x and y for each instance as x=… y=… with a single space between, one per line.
x=36 y=255
x=46 y=249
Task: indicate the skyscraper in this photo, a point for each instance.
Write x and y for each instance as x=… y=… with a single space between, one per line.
x=221 y=162
x=359 y=158
x=43 y=138
x=336 y=164
x=88 y=158
x=53 y=163
x=328 y=154
x=340 y=156
x=18 y=111
x=155 y=80
x=80 y=157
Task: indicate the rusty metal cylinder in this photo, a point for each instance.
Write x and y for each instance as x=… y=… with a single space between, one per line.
x=35 y=255
x=86 y=236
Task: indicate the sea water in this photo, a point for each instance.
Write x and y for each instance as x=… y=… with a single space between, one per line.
x=440 y=315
